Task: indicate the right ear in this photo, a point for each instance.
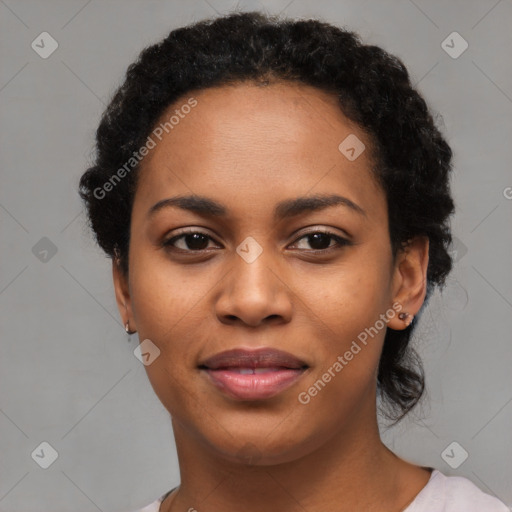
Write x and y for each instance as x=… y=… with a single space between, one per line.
x=122 y=290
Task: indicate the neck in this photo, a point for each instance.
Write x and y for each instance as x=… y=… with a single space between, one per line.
x=353 y=470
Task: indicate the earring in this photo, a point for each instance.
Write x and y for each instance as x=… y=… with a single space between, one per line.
x=127 y=328
x=404 y=317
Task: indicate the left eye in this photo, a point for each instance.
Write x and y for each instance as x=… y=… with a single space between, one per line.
x=320 y=240
x=196 y=241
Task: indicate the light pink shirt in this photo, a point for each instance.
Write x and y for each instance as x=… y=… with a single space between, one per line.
x=441 y=494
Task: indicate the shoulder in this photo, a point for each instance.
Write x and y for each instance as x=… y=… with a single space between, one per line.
x=452 y=494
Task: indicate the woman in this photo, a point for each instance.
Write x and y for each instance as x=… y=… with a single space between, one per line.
x=275 y=198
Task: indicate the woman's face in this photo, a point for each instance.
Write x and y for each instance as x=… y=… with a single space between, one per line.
x=252 y=278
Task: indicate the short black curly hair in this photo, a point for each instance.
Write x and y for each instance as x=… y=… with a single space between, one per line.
x=374 y=90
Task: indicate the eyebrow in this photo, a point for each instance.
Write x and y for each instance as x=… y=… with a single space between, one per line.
x=285 y=209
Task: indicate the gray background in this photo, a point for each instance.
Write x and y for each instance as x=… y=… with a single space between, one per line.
x=68 y=375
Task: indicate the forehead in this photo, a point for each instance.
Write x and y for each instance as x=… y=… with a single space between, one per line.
x=279 y=139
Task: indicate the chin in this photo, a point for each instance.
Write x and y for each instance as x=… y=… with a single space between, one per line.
x=256 y=446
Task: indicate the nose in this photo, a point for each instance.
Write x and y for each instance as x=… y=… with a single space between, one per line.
x=254 y=293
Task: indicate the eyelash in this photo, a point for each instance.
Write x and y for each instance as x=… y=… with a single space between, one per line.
x=341 y=242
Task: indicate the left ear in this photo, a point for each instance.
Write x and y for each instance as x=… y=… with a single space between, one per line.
x=410 y=280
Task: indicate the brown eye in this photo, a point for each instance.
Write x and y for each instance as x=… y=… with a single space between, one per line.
x=321 y=240
x=196 y=241
x=192 y=241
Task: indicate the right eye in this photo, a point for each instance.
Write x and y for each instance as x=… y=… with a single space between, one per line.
x=191 y=241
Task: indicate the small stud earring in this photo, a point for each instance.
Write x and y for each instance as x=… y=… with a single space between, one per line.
x=405 y=317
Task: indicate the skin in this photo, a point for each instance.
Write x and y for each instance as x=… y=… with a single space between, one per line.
x=249 y=147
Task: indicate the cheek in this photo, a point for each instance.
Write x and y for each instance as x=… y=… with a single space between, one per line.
x=347 y=313
x=347 y=354
x=164 y=296
x=169 y=311
x=351 y=297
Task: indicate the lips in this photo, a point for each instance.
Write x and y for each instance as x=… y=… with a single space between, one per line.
x=253 y=374
x=259 y=358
